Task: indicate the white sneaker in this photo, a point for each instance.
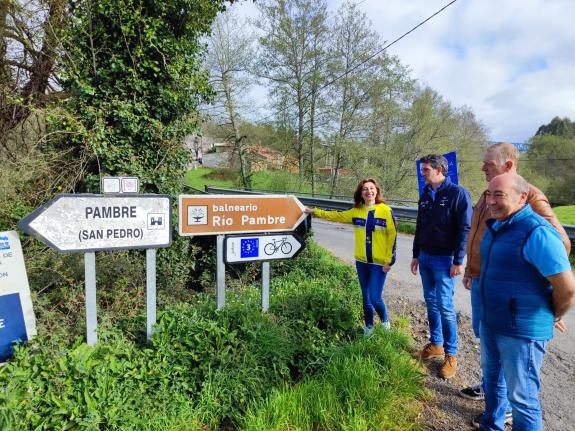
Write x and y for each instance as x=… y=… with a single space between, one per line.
x=367 y=331
x=386 y=325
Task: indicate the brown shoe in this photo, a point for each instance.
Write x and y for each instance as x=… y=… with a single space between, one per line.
x=430 y=351
x=449 y=367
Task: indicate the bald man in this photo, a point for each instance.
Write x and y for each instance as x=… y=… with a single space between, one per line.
x=499 y=158
x=526 y=286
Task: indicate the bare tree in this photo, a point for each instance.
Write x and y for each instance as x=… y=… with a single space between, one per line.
x=28 y=56
x=293 y=31
x=354 y=64
x=230 y=52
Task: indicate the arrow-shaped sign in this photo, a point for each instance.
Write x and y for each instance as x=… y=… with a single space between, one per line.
x=88 y=222
x=225 y=214
x=262 y=247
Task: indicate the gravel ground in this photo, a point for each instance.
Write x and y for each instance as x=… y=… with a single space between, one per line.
x=449 y=411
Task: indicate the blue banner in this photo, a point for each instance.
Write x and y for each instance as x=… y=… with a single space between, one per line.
x=12 y=326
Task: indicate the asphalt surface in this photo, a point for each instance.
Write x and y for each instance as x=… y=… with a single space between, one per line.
x=558 y=370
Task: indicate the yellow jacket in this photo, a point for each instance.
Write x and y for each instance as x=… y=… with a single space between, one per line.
x=376 y=244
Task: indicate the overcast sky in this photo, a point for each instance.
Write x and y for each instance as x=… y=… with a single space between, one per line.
x=511 y=61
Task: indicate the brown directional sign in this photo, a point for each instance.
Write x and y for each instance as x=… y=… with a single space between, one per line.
x=224 y=214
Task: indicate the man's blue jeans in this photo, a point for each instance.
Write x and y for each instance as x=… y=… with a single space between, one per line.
x=476 y=316
x=371 y=279
x=438 y=289
x=516 y=361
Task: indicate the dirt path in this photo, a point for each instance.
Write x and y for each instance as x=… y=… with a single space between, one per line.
x=448 y=410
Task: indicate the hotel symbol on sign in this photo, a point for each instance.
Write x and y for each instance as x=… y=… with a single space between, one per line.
x=156 y=221
x=197 y=215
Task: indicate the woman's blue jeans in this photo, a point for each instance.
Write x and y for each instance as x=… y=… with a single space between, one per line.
x=438 y=287
x=371 y=279
x=517 y=362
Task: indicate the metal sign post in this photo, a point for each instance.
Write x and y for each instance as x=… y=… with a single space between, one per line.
x=265 y=286
x=250 y=248
x=220 y=273
x=89 y=223
x=91 y=316
x=227 y=214
x=150 y=292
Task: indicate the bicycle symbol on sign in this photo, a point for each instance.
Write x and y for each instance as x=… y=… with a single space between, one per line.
x=275 y=246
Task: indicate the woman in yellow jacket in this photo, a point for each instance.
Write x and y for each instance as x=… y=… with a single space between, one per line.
x=375 y=235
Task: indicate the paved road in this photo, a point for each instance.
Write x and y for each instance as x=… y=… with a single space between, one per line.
x=338 y=238
x=558 y=371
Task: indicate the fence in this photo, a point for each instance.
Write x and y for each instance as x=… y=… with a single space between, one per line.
x=406 y=213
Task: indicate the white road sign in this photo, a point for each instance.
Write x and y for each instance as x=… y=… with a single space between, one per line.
x=17 y=320
x=262 y=247
x=88 y=222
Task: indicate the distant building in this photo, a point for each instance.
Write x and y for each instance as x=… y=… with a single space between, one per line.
x=223 y=147
x=265 y=159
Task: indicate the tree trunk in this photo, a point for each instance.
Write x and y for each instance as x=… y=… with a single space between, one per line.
x=237 y=138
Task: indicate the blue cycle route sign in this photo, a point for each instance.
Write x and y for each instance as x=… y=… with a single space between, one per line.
x=249 y=247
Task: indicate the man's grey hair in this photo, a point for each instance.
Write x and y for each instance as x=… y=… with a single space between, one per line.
x=520 y=185
x=505 y=151
x=436 y=161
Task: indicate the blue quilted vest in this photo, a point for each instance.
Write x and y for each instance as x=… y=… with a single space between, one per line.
x=516 y=297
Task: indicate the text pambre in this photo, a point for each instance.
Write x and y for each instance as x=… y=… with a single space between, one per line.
x=111 y=212
x=245 y=219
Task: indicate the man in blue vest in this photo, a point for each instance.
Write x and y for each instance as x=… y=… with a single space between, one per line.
x=526 y=285
x=442 y=227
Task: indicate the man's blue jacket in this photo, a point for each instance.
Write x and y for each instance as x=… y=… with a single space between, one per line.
x=443 y=221
x=515 y=297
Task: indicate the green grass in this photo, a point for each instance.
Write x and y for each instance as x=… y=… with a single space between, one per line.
x=263 y=180
x=368 y=385
x=565 y=214
x=200 y=177
x=406 y=227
